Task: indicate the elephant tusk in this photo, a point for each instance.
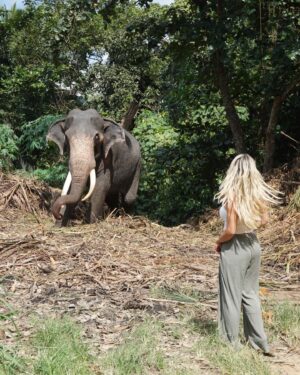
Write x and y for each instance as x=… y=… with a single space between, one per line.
x=67 y=184
x=92 y=185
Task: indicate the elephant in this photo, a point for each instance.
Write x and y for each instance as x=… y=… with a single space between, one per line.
x=99 y=150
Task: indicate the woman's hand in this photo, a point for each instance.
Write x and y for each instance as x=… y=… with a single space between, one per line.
x=218 y=248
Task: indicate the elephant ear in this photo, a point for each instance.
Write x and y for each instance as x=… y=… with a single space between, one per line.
x=113 y=133
x=56 y=133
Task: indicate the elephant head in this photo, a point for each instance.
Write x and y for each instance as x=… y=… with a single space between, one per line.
x=88 y=138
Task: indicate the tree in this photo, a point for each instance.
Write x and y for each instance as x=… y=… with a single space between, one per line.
x=248 y=51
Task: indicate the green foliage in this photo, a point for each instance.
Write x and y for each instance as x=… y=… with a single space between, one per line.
x=180 y=170
x=8 y=147
x=127 y=63
x=54 y=175
x=38 y=155
x=257 y=44
x=55 y=55
x=33 y=145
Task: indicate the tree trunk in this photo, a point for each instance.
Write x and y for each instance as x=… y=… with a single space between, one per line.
x=270 y=135
x=269 y=148
x=231 y=113
x=127 y=121
x=222 y=80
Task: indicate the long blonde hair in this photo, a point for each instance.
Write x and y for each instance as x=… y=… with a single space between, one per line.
x=244 y=188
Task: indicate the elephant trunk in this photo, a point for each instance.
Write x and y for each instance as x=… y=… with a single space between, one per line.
x=82 y=165
x=72 y=198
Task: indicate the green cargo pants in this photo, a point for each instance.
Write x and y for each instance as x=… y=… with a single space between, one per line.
x=238 y=287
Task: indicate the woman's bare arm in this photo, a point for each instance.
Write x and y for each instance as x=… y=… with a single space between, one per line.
x=264 y=218
x=230 y=229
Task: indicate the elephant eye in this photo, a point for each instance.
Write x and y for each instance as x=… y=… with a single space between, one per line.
x=97 y=137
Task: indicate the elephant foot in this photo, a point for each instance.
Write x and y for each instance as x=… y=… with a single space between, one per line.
x=62 y=223
x=93 y=219
x=58 y=223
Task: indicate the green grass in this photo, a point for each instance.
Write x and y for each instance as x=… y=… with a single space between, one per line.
x=8 y=313
x=230 y=361
x=57 y=348
x=10 y=362
x=139 y=353
x=286 y=322
x=60 y=350
x=181 y=294
x=221 y=355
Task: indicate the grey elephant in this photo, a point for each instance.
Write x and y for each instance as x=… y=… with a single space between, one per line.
x=100 y=151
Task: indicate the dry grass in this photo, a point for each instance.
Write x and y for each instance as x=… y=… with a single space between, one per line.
x=109 y=276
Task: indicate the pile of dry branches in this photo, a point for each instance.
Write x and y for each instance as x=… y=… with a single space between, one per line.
x=281 y=242
x=280 y=239
x=24 y=194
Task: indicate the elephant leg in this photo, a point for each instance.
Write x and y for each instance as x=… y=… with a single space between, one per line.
x=131 y=194
x=97 y=202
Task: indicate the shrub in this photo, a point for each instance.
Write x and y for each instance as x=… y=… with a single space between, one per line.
x=39 y=156
x=34 y=149
x=8 y=147
x=179 y=173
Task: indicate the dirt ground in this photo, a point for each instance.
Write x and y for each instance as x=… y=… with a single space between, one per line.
x=112 y=275
x=105 y=276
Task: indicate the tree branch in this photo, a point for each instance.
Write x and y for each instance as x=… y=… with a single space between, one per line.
x=127 y=121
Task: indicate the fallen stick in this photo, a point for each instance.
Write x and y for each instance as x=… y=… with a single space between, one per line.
x=182 y=303
x=291 y=182
x=288 y=136
x=10 y=194
x=195 y=268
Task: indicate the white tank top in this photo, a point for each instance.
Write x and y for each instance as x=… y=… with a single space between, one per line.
x=241 y=227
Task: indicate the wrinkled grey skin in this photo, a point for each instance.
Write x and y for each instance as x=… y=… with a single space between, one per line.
x=94 y=142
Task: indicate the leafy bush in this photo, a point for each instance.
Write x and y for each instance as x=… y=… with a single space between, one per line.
x=54 y=175
x=38 y=155
x=180 y=170
x=8 y=147
x=34 y=149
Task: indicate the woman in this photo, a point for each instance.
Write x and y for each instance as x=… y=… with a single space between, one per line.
x=245 y=198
